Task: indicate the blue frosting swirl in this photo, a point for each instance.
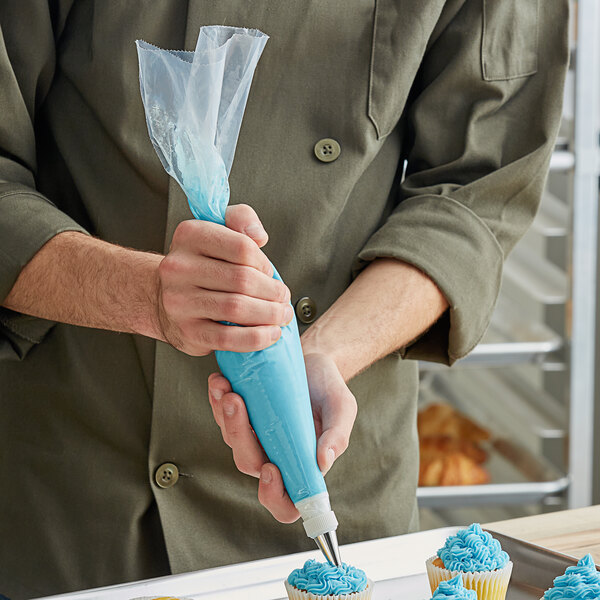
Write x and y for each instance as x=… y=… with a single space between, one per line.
x=471 y=550
x=453 y=590
x=323 y=579
x=581 y=582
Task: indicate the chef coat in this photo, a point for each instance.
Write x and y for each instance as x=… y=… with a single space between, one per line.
x=443 y=114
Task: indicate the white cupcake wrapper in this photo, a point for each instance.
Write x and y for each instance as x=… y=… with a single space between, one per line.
x=489 y=585
x=296 y=594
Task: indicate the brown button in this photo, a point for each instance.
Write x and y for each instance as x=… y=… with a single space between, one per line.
x=166 y=475
x=306 y=310
x=327 y=150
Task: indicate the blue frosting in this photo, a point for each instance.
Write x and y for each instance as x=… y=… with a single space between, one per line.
x=581 y=582
x=453 y=590
x=471 y=550
x=323 y=579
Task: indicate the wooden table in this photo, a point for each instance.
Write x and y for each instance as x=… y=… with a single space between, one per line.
x=575 y=532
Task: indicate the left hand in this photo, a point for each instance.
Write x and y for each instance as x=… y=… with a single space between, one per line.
x=334 y=411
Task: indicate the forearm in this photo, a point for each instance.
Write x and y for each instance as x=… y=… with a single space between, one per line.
x=85 y=281
x=388 y=305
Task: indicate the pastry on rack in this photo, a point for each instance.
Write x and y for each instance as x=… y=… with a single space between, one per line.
x=453 y=468
x=449 y=448
x=433 y=446
x=443 y=419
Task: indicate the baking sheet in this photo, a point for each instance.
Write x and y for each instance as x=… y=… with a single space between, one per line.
x=396 y=564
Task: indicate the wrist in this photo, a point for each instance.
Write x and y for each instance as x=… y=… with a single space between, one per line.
x=316 y=340
x=145 y=311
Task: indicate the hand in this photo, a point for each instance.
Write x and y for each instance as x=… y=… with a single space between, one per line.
x=214 y=273
x=334 y=411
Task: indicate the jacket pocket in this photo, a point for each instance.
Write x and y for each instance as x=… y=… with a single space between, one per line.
x=509 y=46
x=401 y=30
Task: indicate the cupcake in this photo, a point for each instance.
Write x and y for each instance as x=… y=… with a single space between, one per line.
x=321 y=581
x=453 y=589
x=581 y=582
x=478 y=558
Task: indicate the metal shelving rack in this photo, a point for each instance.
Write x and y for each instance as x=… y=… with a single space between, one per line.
x=535 y=367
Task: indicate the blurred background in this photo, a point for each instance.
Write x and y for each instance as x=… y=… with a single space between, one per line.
x=514 y=429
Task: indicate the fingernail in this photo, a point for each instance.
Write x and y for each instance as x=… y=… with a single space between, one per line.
x=217 y=394
x=255 y=231
x=275 y=333
x=228 y=408
x=288 y=314
x=266 y=476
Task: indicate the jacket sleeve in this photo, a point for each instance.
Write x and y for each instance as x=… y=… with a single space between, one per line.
x=482 y=120
x=27 y=219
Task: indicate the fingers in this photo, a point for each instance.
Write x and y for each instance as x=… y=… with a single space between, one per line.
x=248 y=455
x=221 y=306
x=218 y=386
x=218 y=275
x=211 y=239
x=243 y=219
x=231 y=416
x=272 y=495
x=338 y=418
x=229 y=337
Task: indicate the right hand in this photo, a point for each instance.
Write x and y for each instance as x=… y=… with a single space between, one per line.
x=214 y=273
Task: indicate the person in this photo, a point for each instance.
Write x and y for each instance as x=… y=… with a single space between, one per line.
x=395 y=152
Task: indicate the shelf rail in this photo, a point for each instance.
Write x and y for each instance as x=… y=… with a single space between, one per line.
x=584 y=253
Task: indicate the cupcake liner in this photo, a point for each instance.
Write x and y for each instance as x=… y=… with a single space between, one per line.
x=489 y=585
x=295 y=594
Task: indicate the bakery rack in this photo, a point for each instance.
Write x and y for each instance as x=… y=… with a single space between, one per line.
x=531 y=379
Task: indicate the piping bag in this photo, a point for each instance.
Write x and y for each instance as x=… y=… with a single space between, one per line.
x=194 y=104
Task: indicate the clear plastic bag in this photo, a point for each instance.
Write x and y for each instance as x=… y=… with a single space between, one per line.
x=194 y=103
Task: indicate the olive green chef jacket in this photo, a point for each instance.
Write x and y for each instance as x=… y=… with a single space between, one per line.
x=445 y=112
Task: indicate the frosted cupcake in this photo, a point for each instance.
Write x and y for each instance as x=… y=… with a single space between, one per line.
x=581 y=582
x=321 y=581
x=478 y=558
x=453 y=589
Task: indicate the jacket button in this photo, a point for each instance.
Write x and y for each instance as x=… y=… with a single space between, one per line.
x=166 y=475
x=306 y=310
x=327 y=150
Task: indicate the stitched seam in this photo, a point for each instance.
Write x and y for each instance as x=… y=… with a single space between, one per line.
x=371 y=72
x=23 y=193
x=16 y=330
x=484 y=69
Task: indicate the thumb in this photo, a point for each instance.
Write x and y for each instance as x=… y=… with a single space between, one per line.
x=243 y=219
x=338 y=416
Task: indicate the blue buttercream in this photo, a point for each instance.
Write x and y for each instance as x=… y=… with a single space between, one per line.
x=453 y=590
x=471 y=550
x=581 y=582
x=323 y=579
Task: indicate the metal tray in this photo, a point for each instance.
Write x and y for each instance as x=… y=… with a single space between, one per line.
x=396 y=564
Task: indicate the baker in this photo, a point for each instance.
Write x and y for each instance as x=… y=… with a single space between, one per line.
x=394 y=151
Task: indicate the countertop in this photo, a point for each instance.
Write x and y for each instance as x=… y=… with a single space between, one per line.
x=575 y=532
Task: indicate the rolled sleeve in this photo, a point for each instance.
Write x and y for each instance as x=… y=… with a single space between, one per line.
x=27 y=222
x=477 y=153
x=27 y=219
x=437 y=235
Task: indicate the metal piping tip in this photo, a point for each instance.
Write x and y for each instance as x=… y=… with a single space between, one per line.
x=328 y=544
